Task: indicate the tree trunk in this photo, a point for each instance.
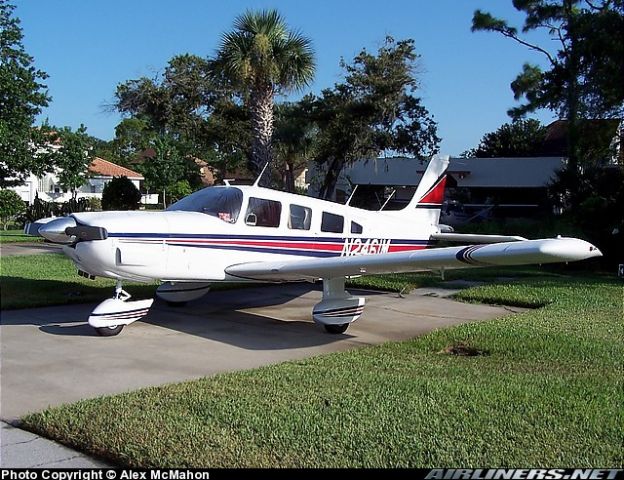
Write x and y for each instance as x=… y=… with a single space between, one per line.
x=331 y=178
x=573 y=114
x=262 y=126
x=289 y=177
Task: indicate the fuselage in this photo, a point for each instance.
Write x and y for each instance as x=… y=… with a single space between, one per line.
x=197 y=238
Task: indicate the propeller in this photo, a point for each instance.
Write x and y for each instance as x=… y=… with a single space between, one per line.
x=66 y=231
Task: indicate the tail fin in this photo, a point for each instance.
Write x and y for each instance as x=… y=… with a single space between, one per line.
x=425 y=206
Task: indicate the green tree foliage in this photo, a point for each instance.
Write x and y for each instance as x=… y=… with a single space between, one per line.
x=120 y=194
x=294 y=141
x=227 y=132
x=179 y=190
x=73 y=158
x=11 y=205
x=375 y=110
x=261 y=57
x=193 y=108
x=165 y=167
x=22 y=96
x=173 y=103
x=600 y=211
x=585 y=73
x=520 y=138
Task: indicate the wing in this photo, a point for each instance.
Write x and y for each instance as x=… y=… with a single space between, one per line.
x=523 y=252
x=475 y=237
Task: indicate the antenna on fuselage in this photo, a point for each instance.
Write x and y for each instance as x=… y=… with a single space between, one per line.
x=255 y=184
x=352 y=193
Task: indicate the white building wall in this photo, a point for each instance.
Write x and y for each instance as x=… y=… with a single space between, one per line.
x=49 y=189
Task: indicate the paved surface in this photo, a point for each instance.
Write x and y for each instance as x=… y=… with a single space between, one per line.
x=20 y=449
x=50 y=356
x=8 y=249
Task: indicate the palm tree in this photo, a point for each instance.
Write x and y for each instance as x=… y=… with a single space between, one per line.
x=262 y=58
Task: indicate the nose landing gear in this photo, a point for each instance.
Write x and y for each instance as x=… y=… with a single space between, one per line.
x=110 y=316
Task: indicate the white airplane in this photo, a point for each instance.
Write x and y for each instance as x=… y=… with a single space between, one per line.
x=250 y=233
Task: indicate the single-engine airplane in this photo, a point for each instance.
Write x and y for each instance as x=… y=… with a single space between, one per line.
x=251 y=233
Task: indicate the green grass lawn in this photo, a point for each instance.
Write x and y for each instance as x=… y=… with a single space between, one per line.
x=52 y=279
x=547 y=390
x=12 y=236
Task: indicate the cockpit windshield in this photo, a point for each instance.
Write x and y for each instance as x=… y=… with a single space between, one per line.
x=221 y=202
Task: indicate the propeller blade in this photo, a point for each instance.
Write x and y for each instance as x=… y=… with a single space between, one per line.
x=85 y=232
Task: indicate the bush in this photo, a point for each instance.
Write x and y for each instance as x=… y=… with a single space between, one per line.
x=599 y=212
x=11 y=205
x=120 y=194
x=94 y=204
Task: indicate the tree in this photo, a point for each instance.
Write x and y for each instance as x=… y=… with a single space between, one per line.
x=179 y=190
x=11 y=205
x=227 y=132
x=22 y=96
x=585 y=74
x=375 y=110
x=73 y=158
x=120 y=194
x=173 y=103
x=520 y=138
x=262 y=58
x=165 y=168
x=189 y=106
x=295 y=136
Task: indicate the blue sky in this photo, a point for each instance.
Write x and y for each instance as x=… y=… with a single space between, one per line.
x=88 y=47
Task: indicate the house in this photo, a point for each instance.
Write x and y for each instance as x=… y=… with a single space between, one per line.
x=521 y=182
x=99 y=174
x=516 y=186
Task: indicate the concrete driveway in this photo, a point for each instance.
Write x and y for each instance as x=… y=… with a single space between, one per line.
x=8 y=249
x=50 y=356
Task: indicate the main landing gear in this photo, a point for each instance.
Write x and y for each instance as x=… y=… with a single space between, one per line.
x=338 y=309
x=110 y=316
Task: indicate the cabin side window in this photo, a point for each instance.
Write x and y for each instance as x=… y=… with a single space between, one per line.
x=332 y=223
x=300 y=217
x=356 y=227
x=263 y=213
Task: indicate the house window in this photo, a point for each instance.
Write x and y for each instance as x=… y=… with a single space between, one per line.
x=263 y=213
x=332 y=223
x=300 y=217
x=356 y=227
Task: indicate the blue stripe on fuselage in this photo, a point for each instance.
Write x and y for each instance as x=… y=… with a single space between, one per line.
x=204 y=236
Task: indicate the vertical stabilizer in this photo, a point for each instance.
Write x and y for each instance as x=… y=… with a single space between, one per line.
x=425 y=206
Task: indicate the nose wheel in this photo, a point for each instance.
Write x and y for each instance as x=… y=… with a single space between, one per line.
x=336 y=329
x=109 y=331
x=109 y=317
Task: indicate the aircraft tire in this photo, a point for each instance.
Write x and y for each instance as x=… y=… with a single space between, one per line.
x=336 y=329
x=109 y=331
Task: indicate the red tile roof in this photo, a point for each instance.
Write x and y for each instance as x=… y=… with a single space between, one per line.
x=102 y=167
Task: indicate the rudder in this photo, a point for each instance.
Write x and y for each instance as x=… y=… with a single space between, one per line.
x=426 y=204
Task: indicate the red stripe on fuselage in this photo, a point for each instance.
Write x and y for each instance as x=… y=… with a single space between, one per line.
x=325 y=246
